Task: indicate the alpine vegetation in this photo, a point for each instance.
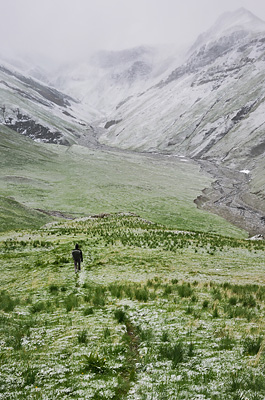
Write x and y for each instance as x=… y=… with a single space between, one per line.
x=153 y=313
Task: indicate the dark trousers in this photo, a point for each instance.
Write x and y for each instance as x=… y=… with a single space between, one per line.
x=77 y=265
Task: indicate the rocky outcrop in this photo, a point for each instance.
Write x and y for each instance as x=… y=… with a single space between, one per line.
x=35 y=131
x=111 y=123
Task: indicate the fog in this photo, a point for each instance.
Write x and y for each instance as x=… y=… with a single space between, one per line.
x=63 y=30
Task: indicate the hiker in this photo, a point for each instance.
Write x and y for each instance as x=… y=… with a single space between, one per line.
x=77 y=257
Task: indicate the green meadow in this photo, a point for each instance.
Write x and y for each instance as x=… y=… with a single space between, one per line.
x=80 y=181
x=170 y=300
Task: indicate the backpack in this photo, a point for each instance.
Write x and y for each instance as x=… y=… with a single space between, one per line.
x=77 y=255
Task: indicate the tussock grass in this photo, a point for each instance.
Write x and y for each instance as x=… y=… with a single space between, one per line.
x=142 y=316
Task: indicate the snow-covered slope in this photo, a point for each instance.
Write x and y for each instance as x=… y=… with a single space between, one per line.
x=210 y=106
x=108 y=79
x=39 y=111
x=207 y=103
x=227 y=24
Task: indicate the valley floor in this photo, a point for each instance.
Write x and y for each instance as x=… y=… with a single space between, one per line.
x=81 y=181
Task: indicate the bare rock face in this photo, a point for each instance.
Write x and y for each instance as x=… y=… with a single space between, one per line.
x=28 y=127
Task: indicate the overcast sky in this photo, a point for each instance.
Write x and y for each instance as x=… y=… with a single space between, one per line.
x=63 y=29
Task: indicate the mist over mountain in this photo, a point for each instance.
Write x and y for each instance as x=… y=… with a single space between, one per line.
x=206 y=102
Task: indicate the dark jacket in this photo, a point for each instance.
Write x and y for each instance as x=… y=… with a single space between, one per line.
x=77 y=255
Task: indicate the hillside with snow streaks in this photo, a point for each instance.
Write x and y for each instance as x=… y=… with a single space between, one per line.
x=205 y=103
x=39 y=111
x=211 y=106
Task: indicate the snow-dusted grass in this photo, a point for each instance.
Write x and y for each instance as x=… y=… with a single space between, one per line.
x=154 y=314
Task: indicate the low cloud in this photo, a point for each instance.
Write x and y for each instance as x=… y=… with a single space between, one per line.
x=67 y=29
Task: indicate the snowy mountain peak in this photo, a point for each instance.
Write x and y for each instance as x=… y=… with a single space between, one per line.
x=228 y=23
x=240 y=19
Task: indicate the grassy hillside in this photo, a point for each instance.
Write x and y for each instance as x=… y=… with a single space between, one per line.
x=16 y=216
x=152 y=315
x=82 y=181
